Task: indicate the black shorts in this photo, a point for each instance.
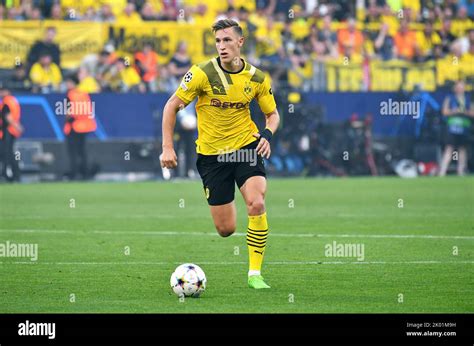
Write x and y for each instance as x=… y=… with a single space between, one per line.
x=220 y=173
x=457 y=140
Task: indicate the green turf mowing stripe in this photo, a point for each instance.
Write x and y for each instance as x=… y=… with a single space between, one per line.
x=273 y=234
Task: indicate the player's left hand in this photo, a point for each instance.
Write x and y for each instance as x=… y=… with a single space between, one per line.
x=263 y=147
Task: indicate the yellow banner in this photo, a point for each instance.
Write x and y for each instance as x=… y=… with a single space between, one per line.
x=344 y=77
x=401 y=75
x=16 y=38
x=129 y=38
x=75 y=39
x=383 y=76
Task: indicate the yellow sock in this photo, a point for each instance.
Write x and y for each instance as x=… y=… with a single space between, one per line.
x=256 y=240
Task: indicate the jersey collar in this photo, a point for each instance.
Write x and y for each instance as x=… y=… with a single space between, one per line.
x=236 y=72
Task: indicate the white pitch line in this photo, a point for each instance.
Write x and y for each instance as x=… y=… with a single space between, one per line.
x=134 y=216
x=272 y=234
x=240 y=263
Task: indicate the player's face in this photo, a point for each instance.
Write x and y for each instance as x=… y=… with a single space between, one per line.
x=228 y=44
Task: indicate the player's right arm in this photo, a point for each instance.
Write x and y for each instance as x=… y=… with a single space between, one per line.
x=173 y=106
x=189 y=89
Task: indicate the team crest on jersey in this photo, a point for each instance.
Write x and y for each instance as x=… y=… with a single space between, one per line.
x=187 y=77
x=247 y=88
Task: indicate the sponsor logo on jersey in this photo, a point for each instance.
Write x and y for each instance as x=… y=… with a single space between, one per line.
x=225 y=105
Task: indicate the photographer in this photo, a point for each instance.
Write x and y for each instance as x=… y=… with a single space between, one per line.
x=459 y=111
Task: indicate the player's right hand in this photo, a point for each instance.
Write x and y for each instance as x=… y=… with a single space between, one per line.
x=168 y=158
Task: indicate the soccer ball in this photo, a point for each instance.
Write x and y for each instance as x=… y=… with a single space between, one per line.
x=188 y=280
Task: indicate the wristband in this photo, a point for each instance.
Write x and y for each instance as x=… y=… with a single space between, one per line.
x=267 y=134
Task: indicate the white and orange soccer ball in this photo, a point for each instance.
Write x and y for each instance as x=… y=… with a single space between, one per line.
x=188 y=280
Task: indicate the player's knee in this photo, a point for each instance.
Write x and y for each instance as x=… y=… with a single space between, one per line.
x=225 y=230
x=256 y=206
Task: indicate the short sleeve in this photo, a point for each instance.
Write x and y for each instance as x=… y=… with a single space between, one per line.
x=265 y=98
x=191 y=85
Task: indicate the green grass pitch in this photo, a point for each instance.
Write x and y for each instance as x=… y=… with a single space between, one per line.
x=418 y=238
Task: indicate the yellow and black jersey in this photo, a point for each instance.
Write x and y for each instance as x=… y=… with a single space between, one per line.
x=223 y=113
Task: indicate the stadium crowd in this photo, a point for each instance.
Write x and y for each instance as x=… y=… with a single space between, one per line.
x=291 y=37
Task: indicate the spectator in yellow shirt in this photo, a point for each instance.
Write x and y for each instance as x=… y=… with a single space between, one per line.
x=45 y=75
x=201 y=16
x=129 y=78
x=87 y=83
x=272 y=52
x=271 y=46
x=427 y=40
x=148 y=13
x=411 y=9
x=301 y=72
x=445 y=69
x=461 y=22
x=388 y=17
x=129 y=15
x=299 y=25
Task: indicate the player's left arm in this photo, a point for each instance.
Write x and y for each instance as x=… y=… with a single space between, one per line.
x=267 y=104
